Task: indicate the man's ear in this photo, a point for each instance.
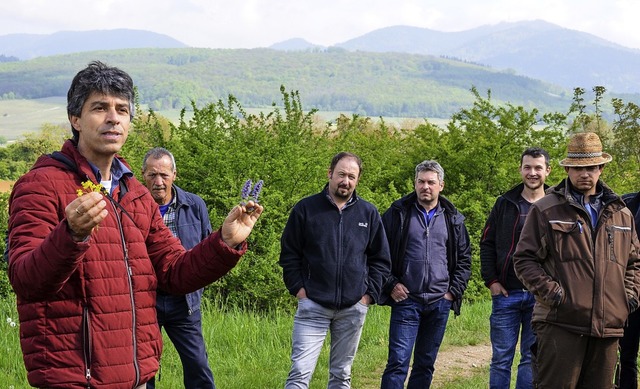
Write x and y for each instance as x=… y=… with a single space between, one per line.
x=74 y=122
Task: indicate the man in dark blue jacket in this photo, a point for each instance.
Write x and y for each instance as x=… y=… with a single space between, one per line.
x=630 y=341
x=512 y=303
x=187 y=217
x=334 y=259
x=431 y=265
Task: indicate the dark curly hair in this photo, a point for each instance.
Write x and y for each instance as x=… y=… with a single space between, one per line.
x=100 y=78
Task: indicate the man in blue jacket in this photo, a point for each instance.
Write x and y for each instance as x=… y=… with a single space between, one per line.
x=431 y=265
x=334 y=258
x=187 y=217
x=512 y=303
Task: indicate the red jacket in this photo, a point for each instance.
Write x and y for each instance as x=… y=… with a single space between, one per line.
x=87 y=310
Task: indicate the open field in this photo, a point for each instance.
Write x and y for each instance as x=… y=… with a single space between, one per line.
x=18 y=117
x=21 y=116
x=5 y=186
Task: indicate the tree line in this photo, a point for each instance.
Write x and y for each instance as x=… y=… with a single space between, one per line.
x=220 y=146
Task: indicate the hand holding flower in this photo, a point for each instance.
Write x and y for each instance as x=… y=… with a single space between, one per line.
x=84 y=214
x=237 y=226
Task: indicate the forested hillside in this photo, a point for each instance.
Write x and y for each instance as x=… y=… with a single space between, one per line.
x=369 y=84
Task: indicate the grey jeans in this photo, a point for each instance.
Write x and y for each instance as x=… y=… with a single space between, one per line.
x=310 y=327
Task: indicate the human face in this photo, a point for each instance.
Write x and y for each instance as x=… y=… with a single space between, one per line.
x=343 y=179
x=158 y=177
x=103 y=126
x=534 y=171
x=428 y=188
x=584 y=179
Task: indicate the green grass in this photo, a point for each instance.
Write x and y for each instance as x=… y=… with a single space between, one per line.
x=248 y=350
x=12 y=371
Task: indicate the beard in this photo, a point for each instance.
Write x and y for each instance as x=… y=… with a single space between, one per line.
x=342 y=192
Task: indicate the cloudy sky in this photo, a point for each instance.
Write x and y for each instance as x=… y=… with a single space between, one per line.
x=261 y=23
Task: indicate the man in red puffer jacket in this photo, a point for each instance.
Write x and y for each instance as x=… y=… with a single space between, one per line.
x=85 y=262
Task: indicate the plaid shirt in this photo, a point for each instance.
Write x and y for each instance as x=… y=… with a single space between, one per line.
x=169 y=217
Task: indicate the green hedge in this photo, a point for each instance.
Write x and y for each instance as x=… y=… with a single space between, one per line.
x=220 y=146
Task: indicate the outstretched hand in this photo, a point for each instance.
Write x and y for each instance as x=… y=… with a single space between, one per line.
x=238 y=224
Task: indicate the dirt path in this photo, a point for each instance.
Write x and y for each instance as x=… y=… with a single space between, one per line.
x=460 y=362
x=5 y=186
x=452 y=362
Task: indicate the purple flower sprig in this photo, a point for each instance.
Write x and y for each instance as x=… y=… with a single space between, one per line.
x=246 y=189
x=248 y=193
x=255 y=193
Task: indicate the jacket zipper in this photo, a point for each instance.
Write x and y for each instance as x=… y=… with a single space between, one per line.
x=339 y=262
x=131 y=296
x=86 y=343
x=612 y=254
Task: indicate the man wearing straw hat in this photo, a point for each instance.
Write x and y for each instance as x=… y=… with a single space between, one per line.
x=578 y=254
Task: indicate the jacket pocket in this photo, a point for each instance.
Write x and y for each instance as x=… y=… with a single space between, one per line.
x=619 y=238
x=570 y=239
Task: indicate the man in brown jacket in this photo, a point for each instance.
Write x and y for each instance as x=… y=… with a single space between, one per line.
x=578 y=254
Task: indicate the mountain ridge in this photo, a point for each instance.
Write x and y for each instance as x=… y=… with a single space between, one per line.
x=536 y=49
x=28 y=46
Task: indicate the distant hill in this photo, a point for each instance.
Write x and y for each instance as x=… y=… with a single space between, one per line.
x=371 y=84
x=535 y=49
x=27 y=46
x=296 y=44
x=395 y=71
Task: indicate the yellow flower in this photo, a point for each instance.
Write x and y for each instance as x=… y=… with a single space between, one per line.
x=88 y=186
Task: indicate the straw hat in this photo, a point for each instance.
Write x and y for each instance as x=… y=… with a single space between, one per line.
x=585 y=149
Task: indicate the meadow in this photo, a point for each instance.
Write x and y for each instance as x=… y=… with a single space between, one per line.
x=20 y=116
x=251 y=351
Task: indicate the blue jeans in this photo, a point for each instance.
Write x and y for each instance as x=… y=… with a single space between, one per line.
x=310 y=326
x=510 y=317
x=414 y=323
x=185 y=332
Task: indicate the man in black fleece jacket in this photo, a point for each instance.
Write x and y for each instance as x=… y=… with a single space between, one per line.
x=334 y=259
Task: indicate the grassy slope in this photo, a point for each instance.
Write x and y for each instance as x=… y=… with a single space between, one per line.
x=20 y=116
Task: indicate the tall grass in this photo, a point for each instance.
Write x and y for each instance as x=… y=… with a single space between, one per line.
x=249 y=350
x=12 y=372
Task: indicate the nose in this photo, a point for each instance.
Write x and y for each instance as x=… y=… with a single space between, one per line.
x=112 y=116
x=158 y=181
